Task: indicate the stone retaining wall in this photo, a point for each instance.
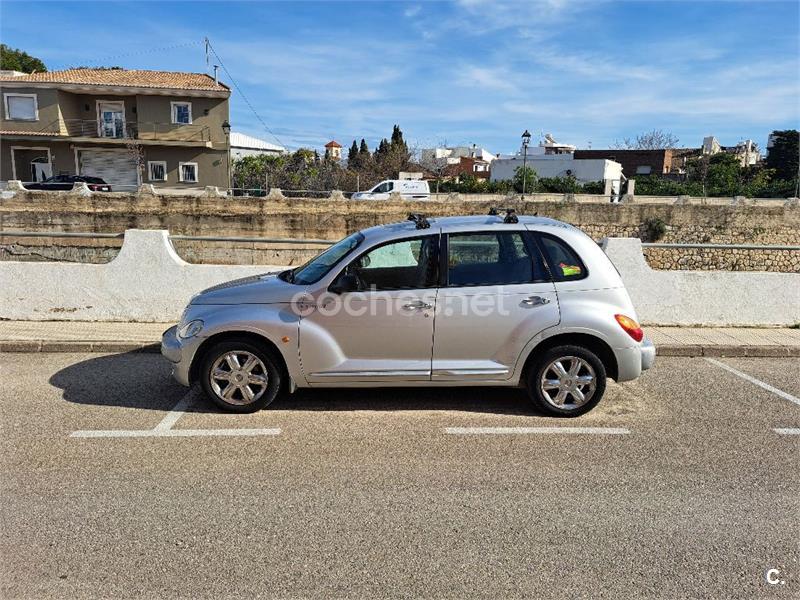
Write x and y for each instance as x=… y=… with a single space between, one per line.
x=687 y=220
x=723 y=259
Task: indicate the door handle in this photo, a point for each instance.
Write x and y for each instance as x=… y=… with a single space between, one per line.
x=535 y=301
x=417 y=305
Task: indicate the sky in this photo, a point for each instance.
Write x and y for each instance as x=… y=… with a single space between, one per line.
x=457 y=73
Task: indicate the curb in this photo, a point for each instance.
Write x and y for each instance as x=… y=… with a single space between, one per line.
x=682 y=350
x=76 y=346
x=721 y=351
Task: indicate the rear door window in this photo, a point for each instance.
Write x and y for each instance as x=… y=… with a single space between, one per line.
x=495 y=258
x=564 y=262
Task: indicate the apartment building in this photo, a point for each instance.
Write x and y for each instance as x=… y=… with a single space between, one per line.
x=125 y=126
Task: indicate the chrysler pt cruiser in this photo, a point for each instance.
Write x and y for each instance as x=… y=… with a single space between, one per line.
x=495 y=300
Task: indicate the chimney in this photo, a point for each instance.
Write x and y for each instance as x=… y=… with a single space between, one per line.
x=216 y=79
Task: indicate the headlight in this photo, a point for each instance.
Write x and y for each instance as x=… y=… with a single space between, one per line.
x=191 y=329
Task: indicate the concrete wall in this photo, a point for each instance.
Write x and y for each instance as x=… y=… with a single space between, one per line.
x=148 y=281
x=704 y=297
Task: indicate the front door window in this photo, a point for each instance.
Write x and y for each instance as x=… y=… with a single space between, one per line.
x=112 y=120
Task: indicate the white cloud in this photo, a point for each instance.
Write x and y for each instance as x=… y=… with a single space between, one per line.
x=412 y=11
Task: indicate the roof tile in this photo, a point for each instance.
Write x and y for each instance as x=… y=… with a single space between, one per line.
x=124 y=78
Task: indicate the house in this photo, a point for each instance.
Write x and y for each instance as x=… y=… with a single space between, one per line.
x=635 y=162
x=244 y=145
x=454 y=161
x=333 y=150
x=102 y=122
x=553 y=159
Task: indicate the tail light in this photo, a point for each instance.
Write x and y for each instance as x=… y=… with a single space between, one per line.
x=630 y=326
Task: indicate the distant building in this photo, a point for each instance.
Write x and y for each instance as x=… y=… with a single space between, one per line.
x=553 y=159
x=333 y=150
x=634 y=162
x=453 y=153
x=454 y=161
x=244 y=145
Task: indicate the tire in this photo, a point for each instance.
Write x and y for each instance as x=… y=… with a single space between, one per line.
x=251 y=389
x=546 y=385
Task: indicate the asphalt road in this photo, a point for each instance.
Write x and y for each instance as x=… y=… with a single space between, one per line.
x=363 y=493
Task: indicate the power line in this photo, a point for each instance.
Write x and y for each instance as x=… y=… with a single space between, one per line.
x=129 y=54
x=241 y=93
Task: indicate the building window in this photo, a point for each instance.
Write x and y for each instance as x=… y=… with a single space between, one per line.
x=21 y=107
x=157 y=170
x=644 y=170
x=188 y=172
x=181 y=113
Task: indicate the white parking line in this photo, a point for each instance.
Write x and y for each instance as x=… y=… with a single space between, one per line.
x=164 y=428
x=536 y=430
x=758 y=382
x=176 y=413
x=121 y=433
x=787 y=430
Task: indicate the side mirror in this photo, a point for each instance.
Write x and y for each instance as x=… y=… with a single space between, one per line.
x=345 y=283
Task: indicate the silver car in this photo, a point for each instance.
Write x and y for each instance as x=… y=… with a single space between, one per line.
x=491 y=300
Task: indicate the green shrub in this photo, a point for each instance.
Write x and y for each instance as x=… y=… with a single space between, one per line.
x=652 y=230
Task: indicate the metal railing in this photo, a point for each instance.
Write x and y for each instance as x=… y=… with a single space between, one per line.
x=138 y=130
x=199 y=238
x=301 y=241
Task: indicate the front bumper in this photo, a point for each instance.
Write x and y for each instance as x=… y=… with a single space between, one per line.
x=173 y=349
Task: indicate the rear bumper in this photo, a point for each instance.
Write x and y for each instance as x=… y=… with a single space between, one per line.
x=632 y=361
x=648 y=354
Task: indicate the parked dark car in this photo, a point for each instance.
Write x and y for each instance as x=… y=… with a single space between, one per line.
x=65 y=182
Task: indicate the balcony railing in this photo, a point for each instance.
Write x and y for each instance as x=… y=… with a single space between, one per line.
x=138 y=130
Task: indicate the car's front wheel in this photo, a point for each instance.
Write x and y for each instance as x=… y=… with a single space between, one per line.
x=240 y=376
x=567 y=381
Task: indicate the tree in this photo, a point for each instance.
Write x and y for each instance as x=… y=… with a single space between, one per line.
x=652 y=140
x=525 y=177
x=352 y=154
x=12 y=59
x=783 y=154
x=363 y=150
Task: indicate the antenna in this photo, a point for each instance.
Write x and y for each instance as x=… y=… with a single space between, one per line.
x=205 y=43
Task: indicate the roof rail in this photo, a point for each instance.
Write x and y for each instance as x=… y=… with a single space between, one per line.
x=420 y=220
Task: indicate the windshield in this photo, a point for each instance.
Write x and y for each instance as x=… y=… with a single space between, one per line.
x=318 y=267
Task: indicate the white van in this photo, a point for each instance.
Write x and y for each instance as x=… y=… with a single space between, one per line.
x=409 y=189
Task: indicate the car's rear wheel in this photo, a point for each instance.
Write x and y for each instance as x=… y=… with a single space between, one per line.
x=240 y=376
x=567 y=381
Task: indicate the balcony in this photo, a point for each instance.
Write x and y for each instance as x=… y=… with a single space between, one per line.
x=123 y=132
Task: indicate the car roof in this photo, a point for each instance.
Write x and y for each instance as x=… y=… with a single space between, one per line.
x=461 y=223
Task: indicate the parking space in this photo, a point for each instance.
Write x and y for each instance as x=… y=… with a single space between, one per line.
x=675 y=485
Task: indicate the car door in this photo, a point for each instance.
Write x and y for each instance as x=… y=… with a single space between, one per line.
x=383 y=331
x=496 y=296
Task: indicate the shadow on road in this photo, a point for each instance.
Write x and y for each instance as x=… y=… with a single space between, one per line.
x=143 y=380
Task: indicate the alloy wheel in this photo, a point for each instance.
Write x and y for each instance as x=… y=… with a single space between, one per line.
x=568 y=382
x=239 y=377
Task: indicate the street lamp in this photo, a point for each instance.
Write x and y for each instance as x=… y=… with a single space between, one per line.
x=226 y=129
x=526 y=139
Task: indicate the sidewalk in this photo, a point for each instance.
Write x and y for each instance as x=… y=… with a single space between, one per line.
x=74 y=336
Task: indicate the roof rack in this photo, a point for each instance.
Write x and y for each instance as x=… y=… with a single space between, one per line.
x=511 y=214
x=420 y=220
